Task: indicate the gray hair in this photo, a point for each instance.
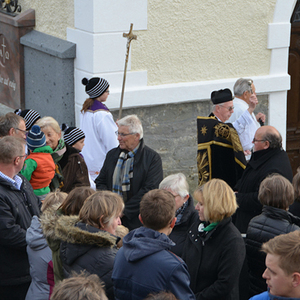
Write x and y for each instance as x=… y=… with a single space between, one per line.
x=275 y=140
x=10 y=120
x=10 y=148
x=242 y=85
x=133 y=123
x=176 y=183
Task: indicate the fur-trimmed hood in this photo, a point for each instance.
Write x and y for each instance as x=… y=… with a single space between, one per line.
x=69 y=229
x=79 y=238
x=48 y=222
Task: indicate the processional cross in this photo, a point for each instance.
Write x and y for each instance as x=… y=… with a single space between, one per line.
x=130 y=36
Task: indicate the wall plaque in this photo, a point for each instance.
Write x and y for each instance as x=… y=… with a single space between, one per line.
x=12 y=57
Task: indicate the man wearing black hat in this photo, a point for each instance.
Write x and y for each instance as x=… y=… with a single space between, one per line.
x=220 y=153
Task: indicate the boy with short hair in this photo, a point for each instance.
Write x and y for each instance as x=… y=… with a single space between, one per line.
x=282 y=272
x=145 y=264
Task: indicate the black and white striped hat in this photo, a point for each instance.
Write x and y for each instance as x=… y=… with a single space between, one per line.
x=72 y=134
x=95 y=87
x=30 y=116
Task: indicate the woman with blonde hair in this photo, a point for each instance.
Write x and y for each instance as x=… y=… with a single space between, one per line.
x=214 y=250
x=89 y=240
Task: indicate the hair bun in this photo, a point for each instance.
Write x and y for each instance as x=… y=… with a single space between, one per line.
x=84 y=81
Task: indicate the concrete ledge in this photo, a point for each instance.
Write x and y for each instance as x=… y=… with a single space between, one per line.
x=49 y=44
x=5 y=109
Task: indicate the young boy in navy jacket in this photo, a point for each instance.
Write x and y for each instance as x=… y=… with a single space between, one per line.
x=145 y=263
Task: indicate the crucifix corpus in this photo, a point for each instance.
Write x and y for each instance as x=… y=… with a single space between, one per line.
x=130 y=36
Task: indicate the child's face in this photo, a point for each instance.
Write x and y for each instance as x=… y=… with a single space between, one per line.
x=279 y=283
x=79 y=145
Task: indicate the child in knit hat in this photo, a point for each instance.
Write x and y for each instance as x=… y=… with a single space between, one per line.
x=75 y=137
x=39 y=167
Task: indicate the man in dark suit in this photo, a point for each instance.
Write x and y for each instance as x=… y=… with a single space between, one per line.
x=268 y=158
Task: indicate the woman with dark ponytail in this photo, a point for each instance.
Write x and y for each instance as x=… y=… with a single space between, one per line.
x=98 y=124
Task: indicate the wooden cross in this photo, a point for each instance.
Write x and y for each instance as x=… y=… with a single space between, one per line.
x=130 y=36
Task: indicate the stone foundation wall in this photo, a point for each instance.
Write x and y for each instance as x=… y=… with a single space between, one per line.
x=171 y=130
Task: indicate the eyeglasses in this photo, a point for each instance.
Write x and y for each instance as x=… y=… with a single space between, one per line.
x=230 y=108
x=255 y=140
x=107 y=92
x=123 y=134
x=24 y=131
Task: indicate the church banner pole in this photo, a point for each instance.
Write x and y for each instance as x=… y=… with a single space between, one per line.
x=130 y=36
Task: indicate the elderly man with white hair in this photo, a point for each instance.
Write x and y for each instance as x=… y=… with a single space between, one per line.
x=130 y=170
x=186 y=213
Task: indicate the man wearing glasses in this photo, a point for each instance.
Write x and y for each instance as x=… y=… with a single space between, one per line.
x=268 y=158
x=130 y=170
x=12 y=124
x=18 y=204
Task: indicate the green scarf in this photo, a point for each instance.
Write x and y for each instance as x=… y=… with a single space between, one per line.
x=59 y=151
x=210 y=227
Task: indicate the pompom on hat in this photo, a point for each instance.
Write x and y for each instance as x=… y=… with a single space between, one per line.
x=35 y=138
x=95 y=87
x=29 y=115
x=221 y=96
x=72 y=134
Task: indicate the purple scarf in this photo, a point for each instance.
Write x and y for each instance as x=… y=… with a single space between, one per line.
x=97 y=105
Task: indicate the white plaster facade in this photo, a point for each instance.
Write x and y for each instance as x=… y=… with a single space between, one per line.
x=185 y=48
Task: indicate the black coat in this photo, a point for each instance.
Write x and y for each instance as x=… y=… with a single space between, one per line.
x=261 y=164
x=295 y=208
x=17 y=207
x=147 y=175
x=270 y=223
x=215 y=261
x=85 y=247
x=180 y=230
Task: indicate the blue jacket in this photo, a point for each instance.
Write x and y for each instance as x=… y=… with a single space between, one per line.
x=145 y=265
x=268 y=296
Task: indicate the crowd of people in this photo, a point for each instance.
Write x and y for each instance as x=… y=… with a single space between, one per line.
x=87 y=214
